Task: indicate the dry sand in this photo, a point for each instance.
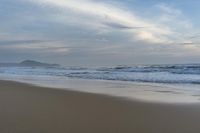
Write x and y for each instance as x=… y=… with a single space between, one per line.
x=29 y=109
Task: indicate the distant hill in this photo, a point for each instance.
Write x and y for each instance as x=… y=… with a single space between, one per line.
x=36 y=63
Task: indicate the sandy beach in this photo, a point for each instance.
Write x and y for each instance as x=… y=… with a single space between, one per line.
x=30 y=109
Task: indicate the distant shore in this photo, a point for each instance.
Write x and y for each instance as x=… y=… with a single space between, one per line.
x=30 y=109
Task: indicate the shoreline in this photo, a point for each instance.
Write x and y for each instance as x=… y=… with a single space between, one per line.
x=152 y=93
x=26 y=108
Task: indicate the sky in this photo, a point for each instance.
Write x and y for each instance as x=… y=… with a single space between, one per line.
x=100 y=32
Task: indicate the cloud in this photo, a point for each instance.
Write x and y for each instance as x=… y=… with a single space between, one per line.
x=101 y=16
x=169 y=10
x=175 y=19
x=94 y=29
x=14 y=42
x=121 y=26
x=35 y=46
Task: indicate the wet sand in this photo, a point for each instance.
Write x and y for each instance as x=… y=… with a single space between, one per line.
x=30 y=109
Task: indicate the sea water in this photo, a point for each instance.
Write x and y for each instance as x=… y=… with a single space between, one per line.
x=169 y=83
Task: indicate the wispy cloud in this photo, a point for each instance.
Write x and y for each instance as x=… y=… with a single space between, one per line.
x=101 y=16
x=121 y=26
x=16 y=42
x=176 y=20
x=35 y=46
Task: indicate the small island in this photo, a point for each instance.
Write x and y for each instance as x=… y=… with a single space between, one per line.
x=36 y=63
x=28 y=63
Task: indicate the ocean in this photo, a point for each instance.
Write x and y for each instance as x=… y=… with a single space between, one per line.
x=169 y=74
x=164 y=79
